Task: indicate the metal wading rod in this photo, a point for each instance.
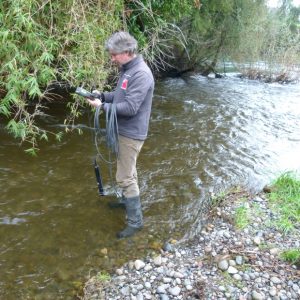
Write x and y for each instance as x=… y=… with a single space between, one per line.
x=98 y=178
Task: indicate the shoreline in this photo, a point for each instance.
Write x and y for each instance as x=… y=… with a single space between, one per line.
x=224 y=261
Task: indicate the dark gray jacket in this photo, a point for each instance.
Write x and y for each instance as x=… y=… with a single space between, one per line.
x=133 y=99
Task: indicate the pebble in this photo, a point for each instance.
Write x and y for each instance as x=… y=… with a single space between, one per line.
x=175 y=291
x=147 y=285
x=274 y=251
x=257 y=296
x=273 y=292
x=139 y=264
x=237 y=277
x=239 y=260
x=168 y=247
x=119 y=272
x=157 y=260
x=257 y=240
x=161 y=289
x=223 y=265
x=275 y=280
x=232 y=270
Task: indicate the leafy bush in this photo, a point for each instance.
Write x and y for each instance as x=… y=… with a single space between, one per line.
x=47 y=41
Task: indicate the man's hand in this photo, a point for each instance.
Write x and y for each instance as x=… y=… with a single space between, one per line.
x=95 y=102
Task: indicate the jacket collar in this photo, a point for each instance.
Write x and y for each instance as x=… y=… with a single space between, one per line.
x=132 y=63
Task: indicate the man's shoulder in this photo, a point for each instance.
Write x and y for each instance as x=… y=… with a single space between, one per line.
x=140 y=72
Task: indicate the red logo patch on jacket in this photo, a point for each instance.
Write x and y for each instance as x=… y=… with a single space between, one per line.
x=124 y=84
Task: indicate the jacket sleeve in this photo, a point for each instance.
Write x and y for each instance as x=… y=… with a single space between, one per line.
x=137 y=89
x=108 y=97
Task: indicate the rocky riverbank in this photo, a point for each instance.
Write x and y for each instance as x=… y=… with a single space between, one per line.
x=237 y=255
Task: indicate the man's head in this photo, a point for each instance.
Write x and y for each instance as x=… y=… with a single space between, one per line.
x=122 y=47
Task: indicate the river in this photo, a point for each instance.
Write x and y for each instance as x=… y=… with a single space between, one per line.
x=206 y=135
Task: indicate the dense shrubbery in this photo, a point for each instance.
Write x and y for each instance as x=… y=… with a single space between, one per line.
x=49 y=41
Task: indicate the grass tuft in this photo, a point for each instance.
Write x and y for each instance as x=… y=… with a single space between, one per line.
x=285 y=198
x=241 y=217
x=291 y=255
x=103 y=277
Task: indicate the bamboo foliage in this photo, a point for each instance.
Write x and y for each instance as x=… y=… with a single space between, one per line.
x=47 y=41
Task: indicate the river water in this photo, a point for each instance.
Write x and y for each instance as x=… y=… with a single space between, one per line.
x=206 y=135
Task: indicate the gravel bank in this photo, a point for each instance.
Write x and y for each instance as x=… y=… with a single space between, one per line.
x=223 y=262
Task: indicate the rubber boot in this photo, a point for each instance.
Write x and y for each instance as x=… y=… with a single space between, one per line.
x=119 y=203
x=134 y=217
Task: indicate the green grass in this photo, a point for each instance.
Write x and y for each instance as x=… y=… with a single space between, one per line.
x=103 y=277
x=291 y=255
x=241 y=217
x=285 y=199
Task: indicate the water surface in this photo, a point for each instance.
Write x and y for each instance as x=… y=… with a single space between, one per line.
x=206 y=135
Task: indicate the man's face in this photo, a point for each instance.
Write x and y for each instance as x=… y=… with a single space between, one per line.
x=120 y=58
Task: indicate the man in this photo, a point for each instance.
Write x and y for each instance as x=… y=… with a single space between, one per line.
x=133 y=100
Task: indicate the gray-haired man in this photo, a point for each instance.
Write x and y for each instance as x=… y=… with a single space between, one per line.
x=133 y=99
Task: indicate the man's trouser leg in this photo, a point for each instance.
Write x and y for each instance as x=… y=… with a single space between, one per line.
x=127 y=179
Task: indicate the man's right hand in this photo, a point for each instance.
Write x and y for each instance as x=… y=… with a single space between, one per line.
x=96 y=102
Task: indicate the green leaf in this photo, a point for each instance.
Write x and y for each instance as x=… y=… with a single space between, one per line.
x=59 y=136
x=31 y=151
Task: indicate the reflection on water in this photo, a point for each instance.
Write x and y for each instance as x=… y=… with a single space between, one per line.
x=206 y=135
